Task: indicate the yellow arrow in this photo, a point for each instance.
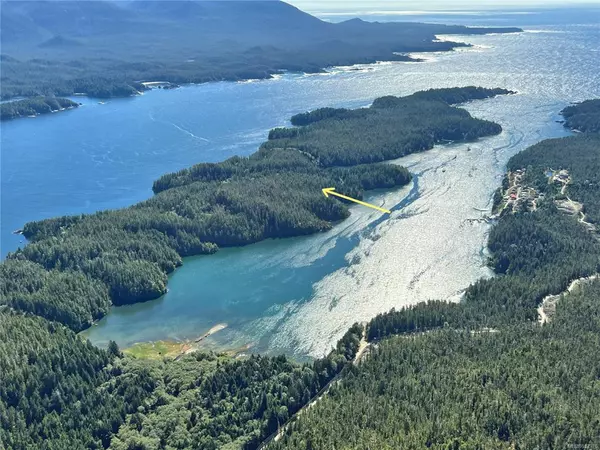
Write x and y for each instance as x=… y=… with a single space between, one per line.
x=331 y=191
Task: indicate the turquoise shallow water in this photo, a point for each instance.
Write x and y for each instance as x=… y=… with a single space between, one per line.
x=299 y=295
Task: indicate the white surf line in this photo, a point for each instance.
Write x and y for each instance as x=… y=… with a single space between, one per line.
x=178 y=127
x=188 y=132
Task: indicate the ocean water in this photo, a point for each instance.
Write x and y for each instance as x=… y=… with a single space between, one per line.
x=298 y=296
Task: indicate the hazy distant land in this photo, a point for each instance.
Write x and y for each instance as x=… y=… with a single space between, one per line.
x=54 y=48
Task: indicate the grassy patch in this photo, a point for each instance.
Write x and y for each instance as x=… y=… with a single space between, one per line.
x=156 y=350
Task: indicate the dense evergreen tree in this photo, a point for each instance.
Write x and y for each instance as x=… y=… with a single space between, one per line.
x=524 y=386
x=584 y=116
x=59 y=392
x=52 y=393
x=210 y=402
x=392 y=127
x=454 y=96
x=579 y=155
x=132 y=250
x=67 y=297
x=453 y=382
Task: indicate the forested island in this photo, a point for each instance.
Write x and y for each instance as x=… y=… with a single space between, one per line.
x=107 y=49
x=32 y=107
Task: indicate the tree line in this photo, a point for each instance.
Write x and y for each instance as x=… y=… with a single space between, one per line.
x=64 y=392
x=584 y=116
x=131 y=251
x=59 y=391
x=59 y=59
x=523 y=386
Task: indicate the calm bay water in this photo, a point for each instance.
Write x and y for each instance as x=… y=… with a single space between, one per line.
x=299 y=295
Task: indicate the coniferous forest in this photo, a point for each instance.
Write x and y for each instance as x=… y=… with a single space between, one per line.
x=583 y=117
x=478 y=374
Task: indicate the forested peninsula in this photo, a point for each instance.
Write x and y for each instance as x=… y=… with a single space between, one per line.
x=32 y=107
x=57 y=49
x=584 y=117
x=124 y=256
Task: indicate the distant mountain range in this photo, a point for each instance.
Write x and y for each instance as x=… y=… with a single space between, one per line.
x=61 y=47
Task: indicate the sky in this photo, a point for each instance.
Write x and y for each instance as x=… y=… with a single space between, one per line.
x=426 y=5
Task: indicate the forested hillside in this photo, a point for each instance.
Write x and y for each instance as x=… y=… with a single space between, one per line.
x=124 y=256
x=52 y=392
x=105 y=48
x=483 y=373
x=60 y=392
x=525 y=386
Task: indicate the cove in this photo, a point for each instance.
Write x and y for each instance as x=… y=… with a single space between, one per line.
x=238 y=286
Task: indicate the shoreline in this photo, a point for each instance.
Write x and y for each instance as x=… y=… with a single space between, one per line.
x=368 y=223
x=168 y=348
x=405 y=56
x=36 y=114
